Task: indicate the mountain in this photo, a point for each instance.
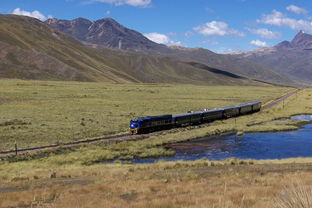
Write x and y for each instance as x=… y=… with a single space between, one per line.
x=109 y=33
x=242 y=67
x=291 y=58
x=31 y=49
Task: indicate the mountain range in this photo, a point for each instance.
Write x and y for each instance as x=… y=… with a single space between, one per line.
x=110 y=34
x=104 y=50
x=291 y=58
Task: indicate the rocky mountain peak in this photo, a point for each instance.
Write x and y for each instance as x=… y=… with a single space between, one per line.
x=292 y=58
x=106 y=32
x=108 y=21
x=302 y=40
x=108 y=26
x=80 y=20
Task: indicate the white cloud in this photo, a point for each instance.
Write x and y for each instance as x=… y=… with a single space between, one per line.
x=265 y=33
x=135 y=3
x=162 y=39
x=35 y=14
x=218 y=29
x=258 y=43
x=296 y=9
x=279 y=19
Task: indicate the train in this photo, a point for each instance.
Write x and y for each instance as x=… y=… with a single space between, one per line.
x=161 y=122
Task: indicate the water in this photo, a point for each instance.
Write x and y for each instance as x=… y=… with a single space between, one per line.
x=249 y=146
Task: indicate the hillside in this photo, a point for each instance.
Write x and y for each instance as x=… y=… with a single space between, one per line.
x=109 y=33
x=291 y=58
x=31 y=49
x=228 y=63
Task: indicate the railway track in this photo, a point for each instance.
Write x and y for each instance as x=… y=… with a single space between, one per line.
x=280 y=99
x=116 y=139
x=108 y=140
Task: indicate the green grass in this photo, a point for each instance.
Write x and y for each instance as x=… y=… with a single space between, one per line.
x=266 y=120
x=38 y=113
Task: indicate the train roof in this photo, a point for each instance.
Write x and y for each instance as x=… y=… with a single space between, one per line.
x=212 y=110
x=229 y=107
x=243 y=105
x=248 y=104
x=152 y=117
x=193 y=113
x=187 y=114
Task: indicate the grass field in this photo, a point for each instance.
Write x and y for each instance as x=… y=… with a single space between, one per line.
x=200 y=184
x=36 y=113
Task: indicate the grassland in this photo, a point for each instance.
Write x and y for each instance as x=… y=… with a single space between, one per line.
x=231 y=183
x=50 y=112
x=36 y=113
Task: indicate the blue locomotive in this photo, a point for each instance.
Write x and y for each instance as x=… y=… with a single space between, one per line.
x=155 y=123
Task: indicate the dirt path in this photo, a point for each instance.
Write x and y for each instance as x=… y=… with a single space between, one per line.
x=120 y=138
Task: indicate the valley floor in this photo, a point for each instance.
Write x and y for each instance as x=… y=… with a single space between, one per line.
x=37 y=113
x=74 y=177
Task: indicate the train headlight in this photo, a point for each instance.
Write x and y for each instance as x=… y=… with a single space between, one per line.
x=133 y=125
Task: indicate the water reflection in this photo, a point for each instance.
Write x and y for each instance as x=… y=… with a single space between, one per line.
x=302 y=117
x=249 y=146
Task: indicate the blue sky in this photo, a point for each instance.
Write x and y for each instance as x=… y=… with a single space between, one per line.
x=218 y=25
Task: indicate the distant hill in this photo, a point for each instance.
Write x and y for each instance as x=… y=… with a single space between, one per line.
x=291 y=58
x=31 y=49
x=109 y=33
x=242 y=67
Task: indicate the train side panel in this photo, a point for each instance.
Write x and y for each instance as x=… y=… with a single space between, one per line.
x=230 y=112
x=212 y=115
x=196 y=117
x=256 y=106
x=181 y=119
x=245 y=109
x=154 y=123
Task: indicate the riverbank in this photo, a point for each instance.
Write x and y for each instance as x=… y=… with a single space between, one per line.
x=265 y=145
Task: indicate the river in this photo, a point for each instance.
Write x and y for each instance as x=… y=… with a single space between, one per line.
x=270 y=145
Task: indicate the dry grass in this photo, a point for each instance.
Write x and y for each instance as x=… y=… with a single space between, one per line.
x=176 y=184
x=295 y=196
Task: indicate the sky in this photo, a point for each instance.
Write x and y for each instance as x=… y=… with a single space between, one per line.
x=219 y=25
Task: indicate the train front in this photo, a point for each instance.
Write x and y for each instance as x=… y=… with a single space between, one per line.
x=134 y=126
